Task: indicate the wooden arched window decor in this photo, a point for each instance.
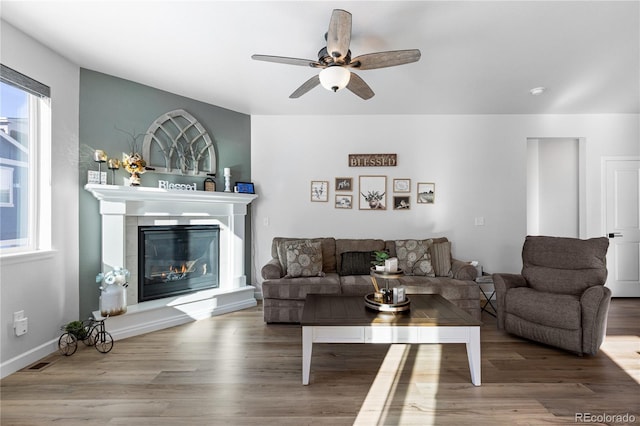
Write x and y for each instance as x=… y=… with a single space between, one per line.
x=176 y=143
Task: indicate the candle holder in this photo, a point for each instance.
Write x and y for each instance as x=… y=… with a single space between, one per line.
x=99 y=156
x=113 y=164
x=227 y=179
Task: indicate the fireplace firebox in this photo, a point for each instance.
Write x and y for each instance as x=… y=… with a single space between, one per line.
x=179 y=259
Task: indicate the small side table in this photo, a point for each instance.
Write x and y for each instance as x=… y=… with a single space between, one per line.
x=487 y=279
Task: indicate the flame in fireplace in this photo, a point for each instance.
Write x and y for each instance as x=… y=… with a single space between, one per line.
x=179 y=270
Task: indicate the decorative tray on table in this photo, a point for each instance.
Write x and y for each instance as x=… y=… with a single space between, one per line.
x=386 y=307
x=389 y=274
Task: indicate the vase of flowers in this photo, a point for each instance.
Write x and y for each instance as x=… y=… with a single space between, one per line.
x=135 y=165
x=113 y=292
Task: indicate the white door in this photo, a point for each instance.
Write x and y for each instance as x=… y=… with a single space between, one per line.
x=622 y=219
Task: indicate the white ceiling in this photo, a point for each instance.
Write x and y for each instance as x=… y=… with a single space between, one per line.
x=478 y=57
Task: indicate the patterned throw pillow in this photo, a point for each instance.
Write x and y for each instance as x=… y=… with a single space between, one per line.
x=356 y=263
x=304 y=258
x=441 y=253
x=414 y=257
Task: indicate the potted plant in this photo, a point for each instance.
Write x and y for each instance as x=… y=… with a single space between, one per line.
x=76 y=328
x=380 y=257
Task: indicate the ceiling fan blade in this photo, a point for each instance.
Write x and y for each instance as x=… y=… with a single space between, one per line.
x=391 y=58
x=359 y=87
x=288 y=61
x=306 y=86
x=339 y=34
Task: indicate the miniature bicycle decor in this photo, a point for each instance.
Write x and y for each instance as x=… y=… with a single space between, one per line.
x=92 y=333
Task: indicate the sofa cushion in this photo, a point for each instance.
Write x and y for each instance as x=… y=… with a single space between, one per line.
x=357 y=285
x=304 y=258
x=441 y=259
x=298 y=288
x=355 y=263
x=548 y=309
x=414 y=257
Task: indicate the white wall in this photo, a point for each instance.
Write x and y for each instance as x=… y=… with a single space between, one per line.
x=478 y=164
x=44 y=286
x=558 y=187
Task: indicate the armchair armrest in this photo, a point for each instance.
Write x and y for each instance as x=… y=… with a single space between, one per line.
x=595 y=307
x=502 y=283
x=272 y=270
x=463 y=270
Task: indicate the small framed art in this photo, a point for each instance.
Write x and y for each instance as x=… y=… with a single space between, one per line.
x=426 y=193
x=373 y=193
x=401 y=202
x=344 y=201
x=402 y=185
x=344 y=184
x=319 y=190
x=245 y=187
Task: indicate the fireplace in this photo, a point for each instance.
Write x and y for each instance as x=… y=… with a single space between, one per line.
x=177 y=259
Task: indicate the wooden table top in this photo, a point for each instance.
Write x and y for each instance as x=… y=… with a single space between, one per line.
x=426 y=310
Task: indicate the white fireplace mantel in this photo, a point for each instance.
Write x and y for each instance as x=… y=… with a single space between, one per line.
x=145 y=197
x=124 y=208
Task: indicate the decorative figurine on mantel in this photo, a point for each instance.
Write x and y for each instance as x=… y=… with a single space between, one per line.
x=135 y=165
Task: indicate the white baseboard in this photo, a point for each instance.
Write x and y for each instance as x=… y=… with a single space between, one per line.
x=23 y=360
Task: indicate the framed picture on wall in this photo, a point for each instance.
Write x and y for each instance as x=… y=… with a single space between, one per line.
x=319 y=190
x=344 y=184
x=344 y=201
x=373 y=193
x=401 y=202
x=426 y=193
x=402 y=185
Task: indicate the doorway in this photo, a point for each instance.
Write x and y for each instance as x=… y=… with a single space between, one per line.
x=621 y=185
x=555 y=185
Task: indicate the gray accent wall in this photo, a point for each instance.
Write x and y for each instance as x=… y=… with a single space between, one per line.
x=109 y=107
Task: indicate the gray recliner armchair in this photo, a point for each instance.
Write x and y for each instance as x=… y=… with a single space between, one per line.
x=559 y=298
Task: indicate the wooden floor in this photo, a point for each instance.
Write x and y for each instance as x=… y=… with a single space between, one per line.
x=235 y=370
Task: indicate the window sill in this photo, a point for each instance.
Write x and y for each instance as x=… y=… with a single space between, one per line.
x=28 y=256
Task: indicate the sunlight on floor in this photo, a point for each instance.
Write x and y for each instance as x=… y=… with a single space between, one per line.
x=384 y=389
x=626 y=355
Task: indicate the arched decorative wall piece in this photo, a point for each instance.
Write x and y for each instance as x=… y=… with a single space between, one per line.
x=176 y=143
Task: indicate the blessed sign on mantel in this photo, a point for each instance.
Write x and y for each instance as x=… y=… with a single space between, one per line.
x=373 y=160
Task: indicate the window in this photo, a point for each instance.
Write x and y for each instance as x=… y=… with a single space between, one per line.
x=25 y=143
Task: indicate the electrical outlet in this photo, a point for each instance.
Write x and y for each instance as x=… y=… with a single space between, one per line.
x=21 y=326
x=17 y=316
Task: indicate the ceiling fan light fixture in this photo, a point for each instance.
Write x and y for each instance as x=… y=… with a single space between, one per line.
x=536 y=91
x=334 y=78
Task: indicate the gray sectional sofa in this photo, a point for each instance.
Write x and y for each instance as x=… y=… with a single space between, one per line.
x=301 y=266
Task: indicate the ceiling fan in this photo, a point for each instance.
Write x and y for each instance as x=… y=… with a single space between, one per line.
x=335 y=60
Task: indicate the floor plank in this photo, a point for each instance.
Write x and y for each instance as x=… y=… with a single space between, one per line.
x=234 y=369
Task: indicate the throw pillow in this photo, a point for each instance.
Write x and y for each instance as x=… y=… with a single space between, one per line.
x=304 y=259
x=414 y=257
x=282 y=250
x=355 y=263
x=441 y=256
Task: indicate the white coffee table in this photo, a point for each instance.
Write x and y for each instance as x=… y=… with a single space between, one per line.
x=345 y=319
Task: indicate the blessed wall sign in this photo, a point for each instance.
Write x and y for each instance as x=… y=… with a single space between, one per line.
x=373 y=160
